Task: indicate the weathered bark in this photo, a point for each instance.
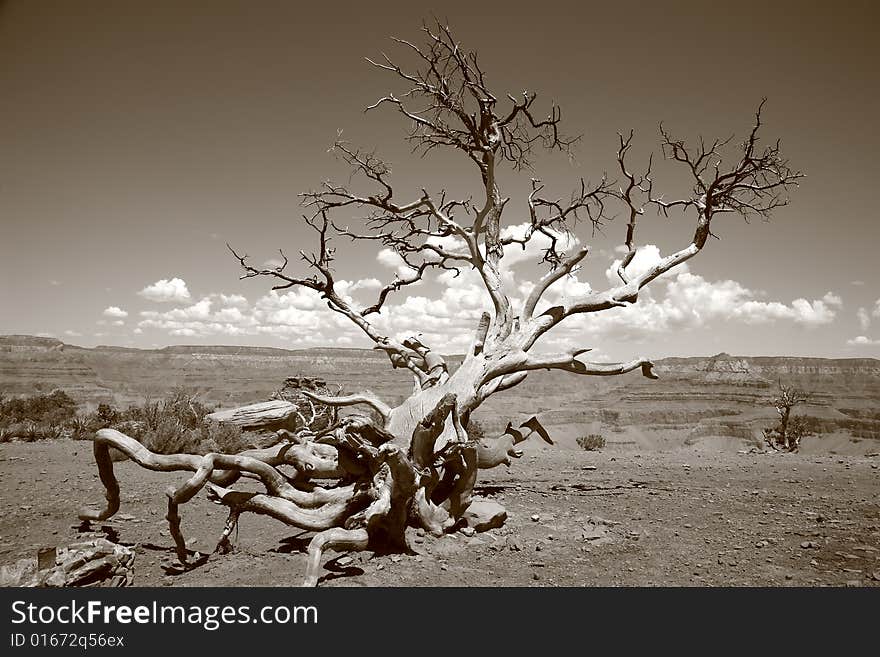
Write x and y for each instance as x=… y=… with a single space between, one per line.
x=275 y=414
x=378 y=482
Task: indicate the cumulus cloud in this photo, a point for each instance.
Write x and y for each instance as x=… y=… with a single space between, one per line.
x=876 y=311
x=645 y=258
x=864 y=318
x=447 y=308
x=165 y=290
x=534 y=249
x=72 y=333
x=832 y=299
x=681 y=300
x=293 y=313
x=115 y=311
x=392 y=259
x=863 y=341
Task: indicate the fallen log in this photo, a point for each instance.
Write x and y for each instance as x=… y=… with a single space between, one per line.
x=270 y=415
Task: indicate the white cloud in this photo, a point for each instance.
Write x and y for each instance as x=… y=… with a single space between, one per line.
x=119 y=322
x=230 y=300
x=54 y=283
x=297 y=313
x=534 y=249
x=165 y=290
x=645 y=258
x=73 y=334
x=832 y=299
x=863 y=341
x=687 y=301
x=864 y=318
x=115 y=311
x=449 y=306
x=876 y=311
x=391 y=259
x=812 y=313
x=857 y=283
x=138 y=330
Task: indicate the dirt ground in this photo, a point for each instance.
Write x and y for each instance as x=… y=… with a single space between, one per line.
x=687 y=517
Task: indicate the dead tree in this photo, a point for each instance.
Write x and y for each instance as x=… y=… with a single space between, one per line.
x=787 y=433
x=363 y=481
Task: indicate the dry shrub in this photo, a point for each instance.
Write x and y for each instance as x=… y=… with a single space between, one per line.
x=592 y=442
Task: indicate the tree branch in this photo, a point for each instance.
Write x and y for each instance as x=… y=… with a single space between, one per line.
x=349 y=400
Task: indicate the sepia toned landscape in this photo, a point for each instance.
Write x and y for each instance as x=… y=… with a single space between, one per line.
x=684 y=492
x=311 y=296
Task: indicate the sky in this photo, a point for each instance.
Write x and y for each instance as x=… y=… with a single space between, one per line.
x=138 y=138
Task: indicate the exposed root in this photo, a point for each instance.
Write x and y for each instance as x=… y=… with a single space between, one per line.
x=224 y=546
x=332 y=539
x=372 y=489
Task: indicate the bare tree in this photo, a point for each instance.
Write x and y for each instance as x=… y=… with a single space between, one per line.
x=416 y=465
x=788 y=432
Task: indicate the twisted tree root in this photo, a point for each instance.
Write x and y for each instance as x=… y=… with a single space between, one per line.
x=315 y=510
x=337 y=539
x=379 y=487
x=224 y=546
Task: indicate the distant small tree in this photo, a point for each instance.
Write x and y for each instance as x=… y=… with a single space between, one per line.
x=105 y=415
x=788 y=432
x=592 y=442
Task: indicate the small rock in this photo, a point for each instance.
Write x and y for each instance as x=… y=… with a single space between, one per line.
x=344 y=561
x=483 y=515
x=810 y=545
x=468 y=531
x=761 y=544
x=853 y=583
x=395 y=558
x=535 y=517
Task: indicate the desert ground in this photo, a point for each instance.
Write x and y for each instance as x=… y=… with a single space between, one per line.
x=687 y=517
x=679 y=496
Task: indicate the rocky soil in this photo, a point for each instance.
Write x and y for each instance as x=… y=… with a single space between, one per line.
x=690 y=516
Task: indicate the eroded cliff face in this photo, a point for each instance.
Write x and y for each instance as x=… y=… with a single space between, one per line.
x=222 y=374
x=721 y=395
x=770 y=367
